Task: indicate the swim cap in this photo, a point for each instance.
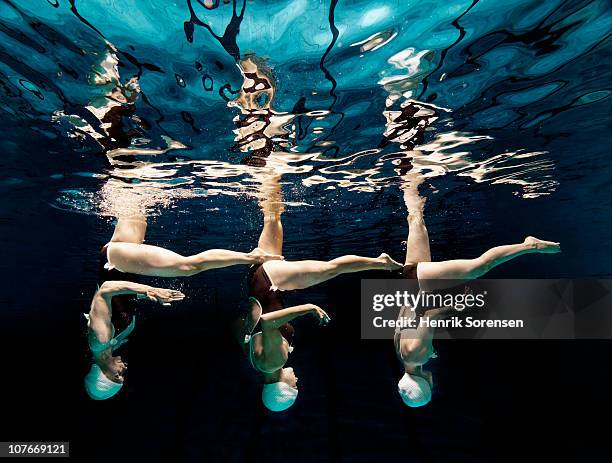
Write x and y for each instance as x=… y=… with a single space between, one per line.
x=278 y=396
x=415 y=390
x=98 y=386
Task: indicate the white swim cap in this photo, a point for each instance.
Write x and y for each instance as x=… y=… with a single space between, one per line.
x=98 y=386
x=278 y=396
x=415 y=390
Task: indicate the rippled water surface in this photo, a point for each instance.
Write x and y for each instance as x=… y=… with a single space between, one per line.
x=108 y=106
x=500 y=84
x=475 y=95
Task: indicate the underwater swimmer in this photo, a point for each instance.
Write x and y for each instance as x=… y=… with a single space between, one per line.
x=266 y=332
x=125 y=257
x=107 y=373
x=414 y=346
x=112 y=316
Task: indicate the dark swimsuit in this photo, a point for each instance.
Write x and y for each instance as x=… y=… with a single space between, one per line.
x=260 y=288
x=122 y=305
x=409 y=271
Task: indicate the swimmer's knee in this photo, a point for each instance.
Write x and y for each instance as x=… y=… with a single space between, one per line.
x=331 y=269
x=186 y=266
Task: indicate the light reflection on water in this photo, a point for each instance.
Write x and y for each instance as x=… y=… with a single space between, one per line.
x=188 y=101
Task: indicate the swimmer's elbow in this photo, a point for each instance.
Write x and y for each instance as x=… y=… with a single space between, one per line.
x=108 y=288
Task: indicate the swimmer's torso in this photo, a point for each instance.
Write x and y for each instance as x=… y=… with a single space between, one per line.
x=413 y=346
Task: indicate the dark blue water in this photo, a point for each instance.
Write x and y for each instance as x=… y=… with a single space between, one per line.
x=515 y=141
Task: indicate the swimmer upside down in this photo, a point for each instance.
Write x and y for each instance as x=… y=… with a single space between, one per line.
x=111 y=317
x=268 y=349
x=414 y=347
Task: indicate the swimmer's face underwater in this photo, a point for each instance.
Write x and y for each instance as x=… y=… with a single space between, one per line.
x=257 y=91
x=416 y=369
x=287 y=375
x=115 y=369
x=105 y=378
x=282 y=375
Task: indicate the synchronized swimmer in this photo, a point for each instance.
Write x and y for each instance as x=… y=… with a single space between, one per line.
x=111 y=317
x=265 y=331
x=414 y=346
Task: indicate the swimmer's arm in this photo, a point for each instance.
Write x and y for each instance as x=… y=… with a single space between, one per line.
x=273 y=320
x=117 y=288
x=101 y=308
x=100 y=317
x=109 y=289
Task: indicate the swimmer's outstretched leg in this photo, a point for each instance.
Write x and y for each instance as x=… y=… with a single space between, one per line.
x=305 y=273
x=127 y=253
x=143 y=259
x=469 y=269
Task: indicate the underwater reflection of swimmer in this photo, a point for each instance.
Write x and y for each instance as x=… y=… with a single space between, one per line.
x=407 y=125
x=260 y=129
x=110 y=120
x=266 y=331
x=122 y=260
x=414 y=347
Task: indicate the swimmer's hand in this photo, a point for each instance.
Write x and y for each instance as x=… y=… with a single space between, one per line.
x=164 y=296
x=320 y=315
x=546 y=247
x=259 y=256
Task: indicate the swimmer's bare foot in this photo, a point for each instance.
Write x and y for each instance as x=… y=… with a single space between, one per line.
x=389 y=263
x=259 y=256
x=548 y=247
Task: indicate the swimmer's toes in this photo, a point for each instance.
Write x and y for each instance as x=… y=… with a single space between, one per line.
x=389 y=262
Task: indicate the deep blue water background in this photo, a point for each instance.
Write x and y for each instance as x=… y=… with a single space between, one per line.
x=532 y=76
